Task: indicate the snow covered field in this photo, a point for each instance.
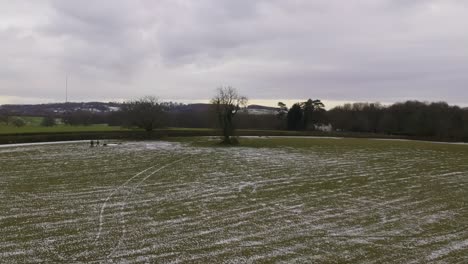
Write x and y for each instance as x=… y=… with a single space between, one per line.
x=287 y=200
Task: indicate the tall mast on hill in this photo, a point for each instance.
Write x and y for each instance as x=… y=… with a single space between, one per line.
x=66 y=88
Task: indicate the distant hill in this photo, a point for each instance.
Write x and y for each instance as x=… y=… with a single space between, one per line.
x=261 y=107
x=103 y=107
x=261 y=110
x=58 y=108
x=190 y=108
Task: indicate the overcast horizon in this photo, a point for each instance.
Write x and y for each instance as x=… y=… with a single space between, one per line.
x=337 y=51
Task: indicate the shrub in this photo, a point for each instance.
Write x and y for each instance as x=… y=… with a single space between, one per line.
x=18 y=122
x=48 y=121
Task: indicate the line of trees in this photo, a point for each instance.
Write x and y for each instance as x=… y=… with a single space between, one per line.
x=7 y=118
x=82 y=118
x=436 y=120
x=146 y=113
x=412 y=118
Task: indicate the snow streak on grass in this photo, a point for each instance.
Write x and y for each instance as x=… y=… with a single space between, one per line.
x=277 y=200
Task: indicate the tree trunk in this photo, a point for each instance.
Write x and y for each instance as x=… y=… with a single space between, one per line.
x=227 y=129
x=226 y=134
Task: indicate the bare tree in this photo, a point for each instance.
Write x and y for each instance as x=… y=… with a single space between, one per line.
x=146 y=113
x=227 y=102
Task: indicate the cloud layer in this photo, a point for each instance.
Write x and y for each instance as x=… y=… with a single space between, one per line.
x=378 y=50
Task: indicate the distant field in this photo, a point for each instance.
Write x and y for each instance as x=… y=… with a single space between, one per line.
x=97 y=128
x=37 y=133
x=55 y=129
x=32 y=120
x=286 y=200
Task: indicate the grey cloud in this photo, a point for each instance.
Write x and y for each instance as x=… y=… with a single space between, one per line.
x=101 y=36
x=382 y=50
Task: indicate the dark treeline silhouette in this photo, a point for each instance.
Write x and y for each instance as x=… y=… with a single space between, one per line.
x=83 y=118
x=200 y=119
x=304 y=115
x=5 y=116
x=412 y=118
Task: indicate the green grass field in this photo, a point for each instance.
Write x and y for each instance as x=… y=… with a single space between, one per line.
x=56 y=129
x=270 y=200
x=33 y=125
x=32 y=120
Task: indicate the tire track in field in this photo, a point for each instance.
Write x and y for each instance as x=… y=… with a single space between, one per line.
x=114 y=191
x=138 y=184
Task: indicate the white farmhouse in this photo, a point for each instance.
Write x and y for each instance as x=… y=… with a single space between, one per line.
x=323 y=127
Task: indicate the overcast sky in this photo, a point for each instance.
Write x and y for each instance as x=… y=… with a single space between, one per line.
x=335 y=50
